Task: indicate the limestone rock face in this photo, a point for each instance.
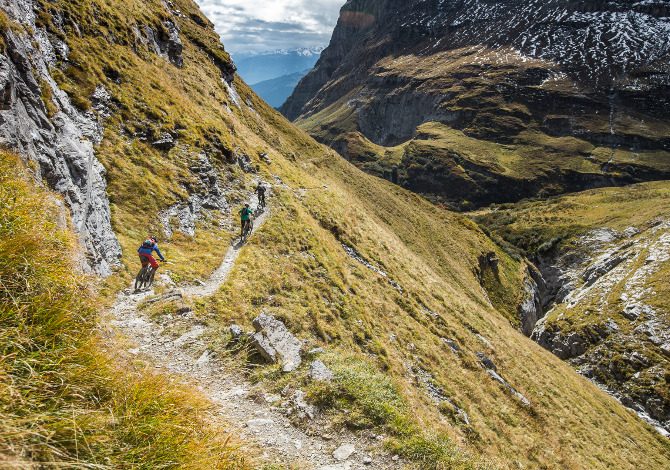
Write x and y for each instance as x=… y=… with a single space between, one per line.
x=206 y=195
x=530 y=310
x=59 y=139
x=275 y=343
x=565 y=346
x=163 y=41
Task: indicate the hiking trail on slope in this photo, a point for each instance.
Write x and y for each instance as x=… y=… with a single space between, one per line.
x=240 y=408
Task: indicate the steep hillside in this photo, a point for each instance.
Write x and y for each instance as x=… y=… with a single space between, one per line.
x=481 y=101
x=414 y=308
x=604 y=260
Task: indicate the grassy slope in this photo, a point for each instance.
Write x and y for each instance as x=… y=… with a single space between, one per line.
x=530 y=225
x=62 y=401
x=297 y=271
x=295 y=267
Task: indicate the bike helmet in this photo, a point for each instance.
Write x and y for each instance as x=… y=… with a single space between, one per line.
x=153 y=239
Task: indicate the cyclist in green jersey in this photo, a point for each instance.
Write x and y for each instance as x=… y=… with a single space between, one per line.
x=245 y=218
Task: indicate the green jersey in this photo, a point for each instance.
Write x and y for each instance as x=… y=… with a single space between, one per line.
x=246 y=213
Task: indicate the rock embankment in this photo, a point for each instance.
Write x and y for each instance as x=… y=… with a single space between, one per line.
x=38 y=121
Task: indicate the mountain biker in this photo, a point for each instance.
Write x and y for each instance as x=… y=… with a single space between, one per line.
x=245 y=217
x=260 y=190
x=145 y=251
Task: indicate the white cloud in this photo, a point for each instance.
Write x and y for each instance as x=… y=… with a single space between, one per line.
x=260 y=25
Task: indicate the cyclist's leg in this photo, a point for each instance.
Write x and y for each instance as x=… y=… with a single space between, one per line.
x=152 y=261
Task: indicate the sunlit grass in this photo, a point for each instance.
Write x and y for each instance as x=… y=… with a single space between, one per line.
x=64 y=401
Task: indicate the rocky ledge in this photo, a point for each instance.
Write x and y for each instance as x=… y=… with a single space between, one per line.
x=607 y=315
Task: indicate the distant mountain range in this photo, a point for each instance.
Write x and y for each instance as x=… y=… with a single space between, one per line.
x=262 y=66
x=276 y=90
x=275 y=74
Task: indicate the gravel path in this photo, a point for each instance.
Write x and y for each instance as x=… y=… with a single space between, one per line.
x=174 y=343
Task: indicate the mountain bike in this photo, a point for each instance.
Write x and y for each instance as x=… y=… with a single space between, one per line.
x=247 y=230
x=145 y=278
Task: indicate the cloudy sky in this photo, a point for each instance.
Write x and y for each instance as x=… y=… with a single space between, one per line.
x=261 y=25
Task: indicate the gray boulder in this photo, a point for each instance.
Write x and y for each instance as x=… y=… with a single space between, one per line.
x=300 y=406
x=343 y=452
x=275 y=343
x=498 y=378
x=453 y=345
x=236 y=331
x=164 y=142
x=486 y=361
x=245 y=163
x=320 y=372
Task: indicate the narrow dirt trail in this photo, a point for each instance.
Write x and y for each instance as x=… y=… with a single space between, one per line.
x=264 y=427
x=219 y=276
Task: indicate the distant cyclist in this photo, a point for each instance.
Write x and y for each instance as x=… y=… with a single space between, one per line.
x=146 y=252
x=260 y=191
x=245 y=218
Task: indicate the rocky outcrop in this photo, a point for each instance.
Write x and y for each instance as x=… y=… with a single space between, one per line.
x=492 y=370
x=319 y=372
x=605 y=317
x=38 y=121
x=163 y=41
x=564 y=345
x=275 y=343
x=164 y=142
x=205 y=195
x=531 y=309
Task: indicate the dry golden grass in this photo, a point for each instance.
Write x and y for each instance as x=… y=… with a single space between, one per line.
x=63 y=403
x=296 y=269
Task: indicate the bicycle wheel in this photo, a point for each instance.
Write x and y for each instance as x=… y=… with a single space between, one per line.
x=139 y=280
x=150 y=277
x=249 y=228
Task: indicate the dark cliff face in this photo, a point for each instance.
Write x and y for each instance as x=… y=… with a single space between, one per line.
x=514 y=73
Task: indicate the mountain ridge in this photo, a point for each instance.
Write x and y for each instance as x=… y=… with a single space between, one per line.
x=471 y=67
x=275 y=91
x=262 y=66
